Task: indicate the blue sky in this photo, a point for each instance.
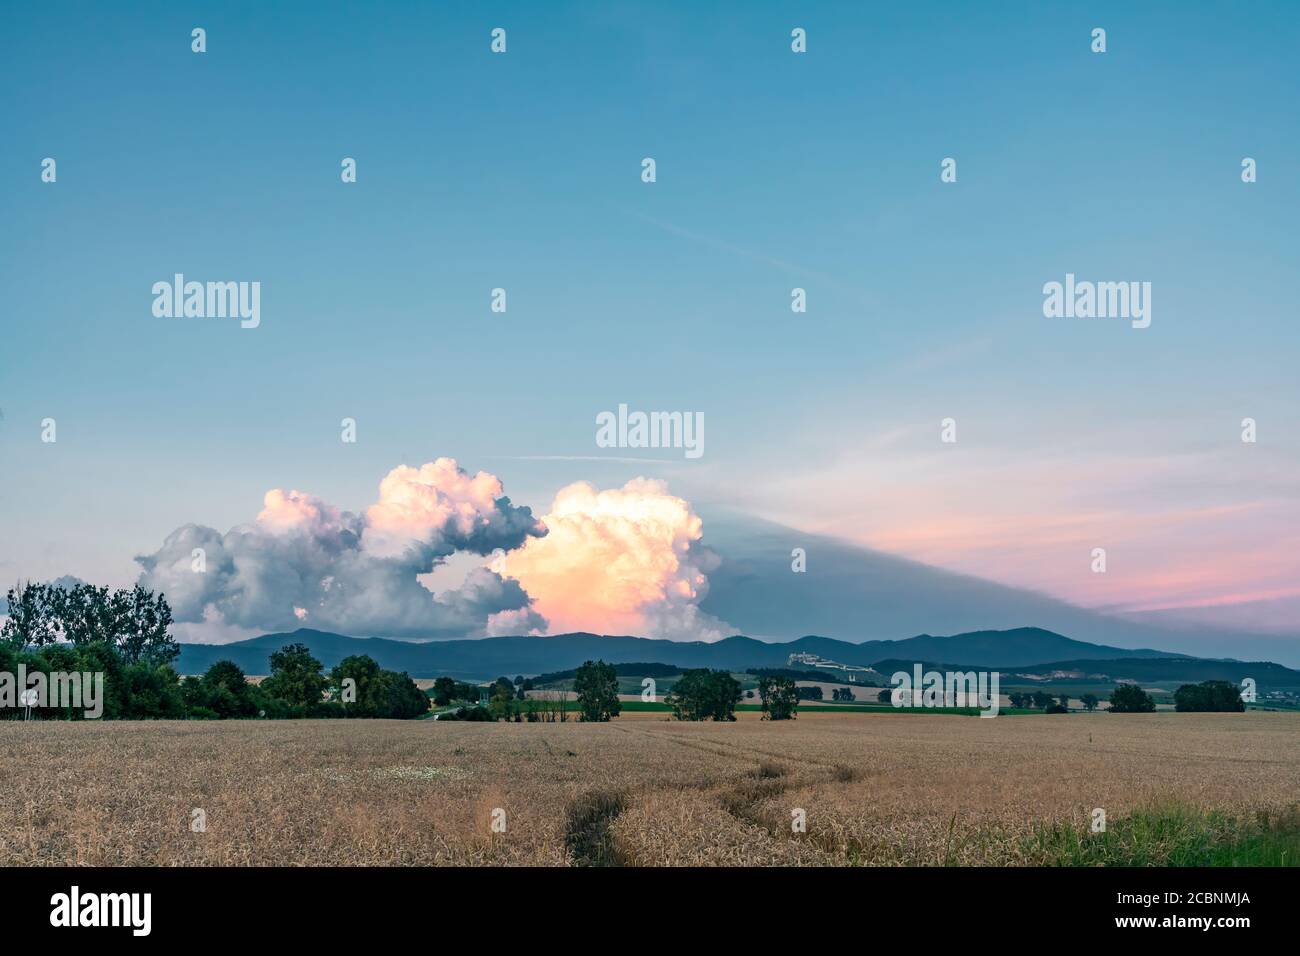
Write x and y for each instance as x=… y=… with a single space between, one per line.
x=775 y=170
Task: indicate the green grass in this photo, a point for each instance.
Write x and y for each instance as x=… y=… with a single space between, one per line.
x=1175 y=835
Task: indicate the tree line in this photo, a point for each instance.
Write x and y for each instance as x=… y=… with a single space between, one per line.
x=699 y=694
x=125 y=635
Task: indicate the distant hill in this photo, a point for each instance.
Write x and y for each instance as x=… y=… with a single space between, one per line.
x=1190 y=670
x=1187 y=670
x=493 y=656
x=1012 y=648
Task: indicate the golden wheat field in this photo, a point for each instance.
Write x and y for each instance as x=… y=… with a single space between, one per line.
x=876 y=789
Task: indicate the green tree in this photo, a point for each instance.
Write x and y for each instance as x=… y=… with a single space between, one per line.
x=153 y=692
x=702 y=694
x=296 y=677
x=222 y=692
x=1216 y=696
x=779 y=698
x=394 y=696
x=1131 y=699
x=135 y=622
x=30 y=621
x=143 y=622
x=355 y=682
x=501 y=699
x=444 y=691
x=361 y=688
x=596 y=684
x=102 y=657
x=85 y=613
x=1090 y=702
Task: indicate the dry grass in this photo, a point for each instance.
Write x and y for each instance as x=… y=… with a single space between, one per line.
x=876 y=789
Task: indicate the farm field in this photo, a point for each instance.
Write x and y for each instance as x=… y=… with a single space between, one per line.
x=876 y=788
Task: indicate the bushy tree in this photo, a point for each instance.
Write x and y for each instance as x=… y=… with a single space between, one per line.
x=153 y=691
x=779 y=698
x=703 y=694
x=30 y=621
x=296 y=677
x=502 y=703
x=1217 y=696
x=221 y=693
x=1090 y=702
x=143 y=634
x=443 y=689
x=363 y=671
x=475 y=713
x=596 y=684
x=136 y=622
x=447 y=689
x=1131 y=699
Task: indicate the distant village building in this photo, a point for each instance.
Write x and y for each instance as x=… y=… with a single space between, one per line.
x=822 y=664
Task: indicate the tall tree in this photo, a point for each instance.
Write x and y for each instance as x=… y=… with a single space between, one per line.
x=703 y=694
x=596 y=684
x=1131 y=699
x=780 y=700
x=444 y=689
x=30 y=621
x=222 y=692
x=144 y=634
x=296 y=676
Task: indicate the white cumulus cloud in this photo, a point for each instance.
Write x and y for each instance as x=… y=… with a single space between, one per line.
x=620 y=561
x=306 y=562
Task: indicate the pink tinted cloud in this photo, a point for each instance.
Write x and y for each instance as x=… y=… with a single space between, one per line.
x=1178 y=529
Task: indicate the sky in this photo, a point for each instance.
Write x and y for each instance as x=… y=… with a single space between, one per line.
x=774 y=170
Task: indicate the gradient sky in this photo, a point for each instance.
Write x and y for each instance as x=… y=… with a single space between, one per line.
x=775 y=170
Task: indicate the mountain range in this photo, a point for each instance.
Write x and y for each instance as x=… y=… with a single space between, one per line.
x=1028 y=649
